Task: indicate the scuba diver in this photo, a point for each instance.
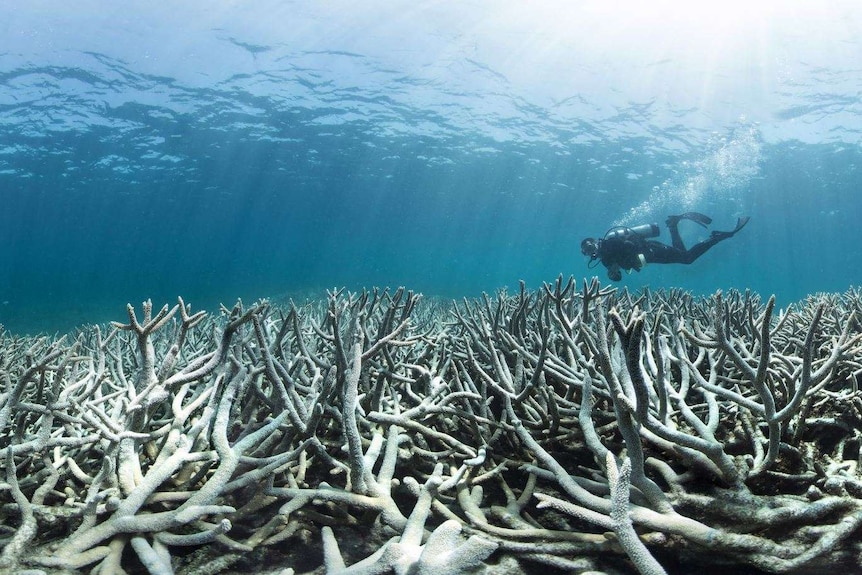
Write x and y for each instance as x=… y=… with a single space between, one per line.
x=624 y=248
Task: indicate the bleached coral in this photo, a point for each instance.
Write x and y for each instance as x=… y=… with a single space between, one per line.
x=581 y=430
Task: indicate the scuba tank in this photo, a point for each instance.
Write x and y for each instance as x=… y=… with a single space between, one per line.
x=644 y=231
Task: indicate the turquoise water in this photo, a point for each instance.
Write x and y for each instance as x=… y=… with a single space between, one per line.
x=263 y=149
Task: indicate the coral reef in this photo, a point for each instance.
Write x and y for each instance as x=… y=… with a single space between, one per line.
x=571 y=429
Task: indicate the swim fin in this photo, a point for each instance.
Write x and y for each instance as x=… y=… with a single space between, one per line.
x=740 y=223
x=697 y=217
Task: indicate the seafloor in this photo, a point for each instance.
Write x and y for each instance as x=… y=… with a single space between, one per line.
x=574 y=429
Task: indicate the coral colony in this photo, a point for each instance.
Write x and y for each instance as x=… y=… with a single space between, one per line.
x=571 y=429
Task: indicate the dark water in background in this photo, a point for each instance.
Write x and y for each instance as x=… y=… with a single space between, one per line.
x=217 y=151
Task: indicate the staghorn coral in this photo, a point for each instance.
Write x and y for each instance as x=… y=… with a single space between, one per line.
x=580 y=430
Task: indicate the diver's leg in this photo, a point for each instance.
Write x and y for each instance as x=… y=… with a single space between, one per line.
x=659 y=253
x=672 y=223
x=688 y=256
x=698 y=249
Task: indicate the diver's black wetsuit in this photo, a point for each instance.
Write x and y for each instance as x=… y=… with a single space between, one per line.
x=628 y=250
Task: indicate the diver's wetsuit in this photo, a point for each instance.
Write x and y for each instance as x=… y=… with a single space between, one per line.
x=631 y=251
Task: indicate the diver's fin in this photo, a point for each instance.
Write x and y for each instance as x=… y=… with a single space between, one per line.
x=697 y=217
x=740 y=223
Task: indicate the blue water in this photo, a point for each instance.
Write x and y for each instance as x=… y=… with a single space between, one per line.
x=269 y=149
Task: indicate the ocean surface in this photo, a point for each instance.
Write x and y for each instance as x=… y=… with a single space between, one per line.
x=224 y=150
